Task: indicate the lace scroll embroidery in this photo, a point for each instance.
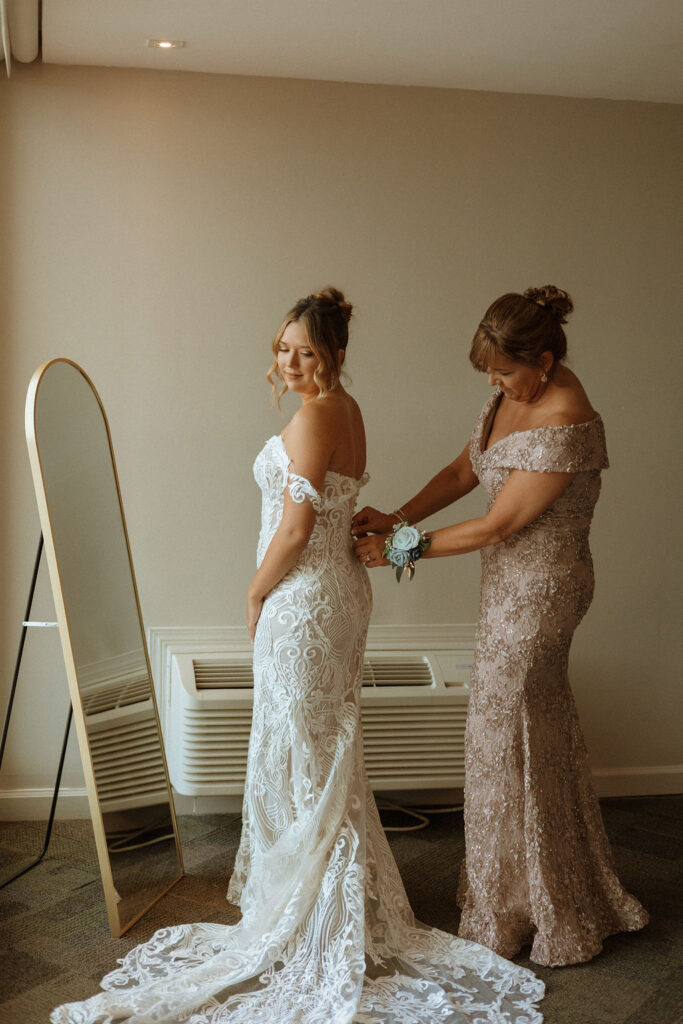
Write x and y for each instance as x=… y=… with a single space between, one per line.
x=300 y=488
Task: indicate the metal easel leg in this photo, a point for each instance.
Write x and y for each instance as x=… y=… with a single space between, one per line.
x=10 y=704
x=17 y=665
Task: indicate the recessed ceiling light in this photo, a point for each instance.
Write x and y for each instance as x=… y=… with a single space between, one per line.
x=166 y=44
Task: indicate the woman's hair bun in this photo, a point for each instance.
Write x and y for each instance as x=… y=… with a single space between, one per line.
x=556 y=301
x=334 y=297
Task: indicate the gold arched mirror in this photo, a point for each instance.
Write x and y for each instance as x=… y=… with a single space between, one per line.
x=103 y=640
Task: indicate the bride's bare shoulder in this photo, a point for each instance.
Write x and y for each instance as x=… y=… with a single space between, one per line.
x=352 y=408
x=313 y=419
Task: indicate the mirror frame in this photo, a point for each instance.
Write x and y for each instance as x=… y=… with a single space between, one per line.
x=116 y=926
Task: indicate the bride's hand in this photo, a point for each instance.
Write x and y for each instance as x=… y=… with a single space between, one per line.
x=370 y=520
x=368 y=551
x=254 y=608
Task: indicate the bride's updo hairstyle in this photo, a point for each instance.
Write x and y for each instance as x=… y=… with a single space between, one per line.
x=522 y=327
x=325 y=317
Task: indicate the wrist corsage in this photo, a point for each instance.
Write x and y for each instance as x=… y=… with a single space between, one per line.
x=404 y=546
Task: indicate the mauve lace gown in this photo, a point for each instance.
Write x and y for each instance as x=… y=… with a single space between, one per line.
x=538 y=867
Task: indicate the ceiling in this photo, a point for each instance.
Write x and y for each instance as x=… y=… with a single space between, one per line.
x=612 y=49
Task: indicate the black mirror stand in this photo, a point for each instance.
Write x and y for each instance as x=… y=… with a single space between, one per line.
x=25 y=626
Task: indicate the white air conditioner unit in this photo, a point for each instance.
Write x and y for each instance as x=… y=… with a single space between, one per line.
x=122 y=732
x=413 y=708
x=129 y=771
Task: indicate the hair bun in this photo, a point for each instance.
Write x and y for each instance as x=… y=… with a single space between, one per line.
x=334 y=297
x=556 y=301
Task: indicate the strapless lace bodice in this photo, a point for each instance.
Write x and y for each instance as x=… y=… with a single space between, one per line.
x=331 y=537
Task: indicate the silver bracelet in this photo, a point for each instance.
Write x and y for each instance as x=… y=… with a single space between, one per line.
x=400 y=514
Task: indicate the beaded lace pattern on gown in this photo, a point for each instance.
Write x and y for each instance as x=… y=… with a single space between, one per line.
x=327 y=935
x=538 y=865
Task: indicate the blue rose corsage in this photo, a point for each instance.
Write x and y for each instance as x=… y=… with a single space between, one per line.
x=404 y=546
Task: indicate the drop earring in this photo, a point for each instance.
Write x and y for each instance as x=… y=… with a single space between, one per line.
x=544 y=378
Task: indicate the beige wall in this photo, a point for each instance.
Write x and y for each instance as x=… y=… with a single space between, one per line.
x=156 y=226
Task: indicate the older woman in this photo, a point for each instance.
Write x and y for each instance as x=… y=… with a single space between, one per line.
x=538 y=865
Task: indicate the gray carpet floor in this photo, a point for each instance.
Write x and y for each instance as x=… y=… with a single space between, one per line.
x=56 y=944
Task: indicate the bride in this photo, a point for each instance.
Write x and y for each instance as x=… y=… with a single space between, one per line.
x=327 y=935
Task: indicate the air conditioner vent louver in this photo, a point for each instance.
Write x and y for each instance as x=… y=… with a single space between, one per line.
x=114 y=695
x=217 y=673
x=406 y=671
x=122 y=732
x=125 y=751
x=413 y=709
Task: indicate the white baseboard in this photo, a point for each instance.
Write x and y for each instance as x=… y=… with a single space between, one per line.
x=208 y=804
x=655 y=780
x=34 y=804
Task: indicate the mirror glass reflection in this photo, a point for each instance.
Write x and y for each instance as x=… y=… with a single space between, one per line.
x=106 y=641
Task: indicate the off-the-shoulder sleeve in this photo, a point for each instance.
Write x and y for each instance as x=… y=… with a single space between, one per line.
x=301 y=489
x=575 y=448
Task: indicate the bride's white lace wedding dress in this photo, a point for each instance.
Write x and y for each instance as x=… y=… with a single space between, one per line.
x=327 y=935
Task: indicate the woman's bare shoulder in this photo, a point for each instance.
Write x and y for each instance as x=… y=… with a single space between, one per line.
x=570 y=403
x=353 y=410
x=310 y=419
x=322 y=416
